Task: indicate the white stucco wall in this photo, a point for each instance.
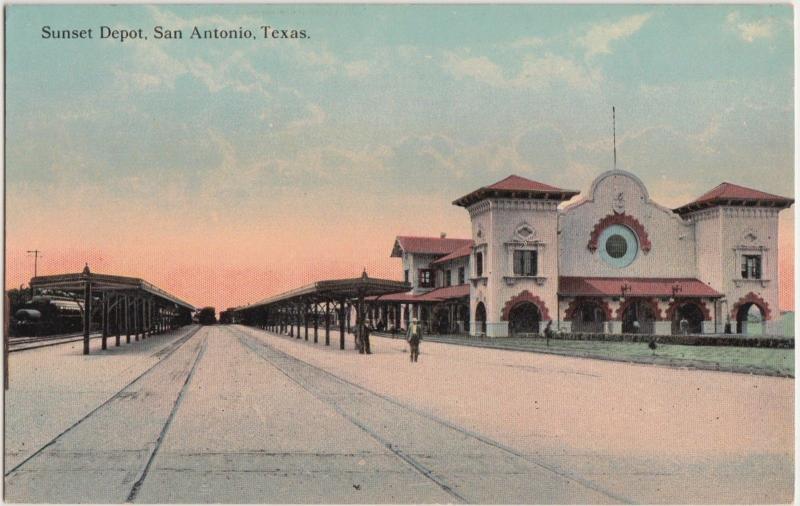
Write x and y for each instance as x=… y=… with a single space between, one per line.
x=725 y=234
x=498 y=220
x=414 y=262
x=452 y=266
x=672 y=252
x=707 y=245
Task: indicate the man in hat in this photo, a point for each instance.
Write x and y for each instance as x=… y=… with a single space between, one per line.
x=414 y=337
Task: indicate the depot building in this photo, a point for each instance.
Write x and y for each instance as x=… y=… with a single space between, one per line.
x=613 y=261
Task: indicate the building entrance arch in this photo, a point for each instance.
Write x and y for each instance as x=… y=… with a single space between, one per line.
x=524 y=319
x=691 y=316
x=750 y=319
x=588 y=316
x=638 y=318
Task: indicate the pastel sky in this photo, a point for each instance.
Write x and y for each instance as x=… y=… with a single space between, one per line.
x=228 y=171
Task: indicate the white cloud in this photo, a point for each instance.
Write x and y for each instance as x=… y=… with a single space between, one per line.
x=316 y=116
x=750 y=31
x=536 y=72
x=172 y=21
x=528 y=42
x=479 y=68
x=152 y=68
x=600 y=36
x=357 y=69
x=329 y=162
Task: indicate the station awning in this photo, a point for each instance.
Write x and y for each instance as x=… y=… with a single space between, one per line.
x=575 y=286
x=336 y=289
x=437 y=295
x=103 y=283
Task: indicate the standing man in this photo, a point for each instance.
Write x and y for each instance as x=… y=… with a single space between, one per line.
x=414 y=337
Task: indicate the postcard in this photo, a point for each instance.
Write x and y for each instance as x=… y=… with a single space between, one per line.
x=399 y=254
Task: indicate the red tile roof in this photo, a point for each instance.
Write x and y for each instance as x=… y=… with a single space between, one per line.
x=516 y=187
x=463 y=251
x=448 y=292
x=395 y=297
x=427 y=245
x=514 y=182
x=639 y=287
x=734 y=195
x=437 y=295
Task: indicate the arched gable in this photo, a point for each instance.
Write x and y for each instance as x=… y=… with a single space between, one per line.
x=620 y=219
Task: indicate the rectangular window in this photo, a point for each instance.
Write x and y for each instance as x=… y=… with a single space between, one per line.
x=448 y=277
x=426 y=278
x=405 y=276
x=461 y=278
x=525 y=263
x=479 y=264
x=751 y=267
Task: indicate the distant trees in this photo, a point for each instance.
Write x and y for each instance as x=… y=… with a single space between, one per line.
x=18 y=297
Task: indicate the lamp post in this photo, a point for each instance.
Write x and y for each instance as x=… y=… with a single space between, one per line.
x=676 y=288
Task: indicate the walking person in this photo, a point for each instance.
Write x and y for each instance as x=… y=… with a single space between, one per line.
x=365 y=339
x=414 y=337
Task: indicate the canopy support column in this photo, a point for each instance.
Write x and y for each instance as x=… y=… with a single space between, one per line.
x=104 y=320
x=316 y=323
x=327 y=323
x=127 y=320
x=341 y=323
x=87 y=314
x=117 y=316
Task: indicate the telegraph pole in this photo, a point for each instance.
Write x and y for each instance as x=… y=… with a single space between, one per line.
x=36 y=255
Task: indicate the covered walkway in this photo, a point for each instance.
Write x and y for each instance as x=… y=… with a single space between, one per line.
x=326 y=303
x=118 y=305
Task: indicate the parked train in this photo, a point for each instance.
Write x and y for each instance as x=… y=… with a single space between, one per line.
x=46 y=315
x=207 y=316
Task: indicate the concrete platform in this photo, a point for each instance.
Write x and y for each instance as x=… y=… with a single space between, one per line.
x=238 y=415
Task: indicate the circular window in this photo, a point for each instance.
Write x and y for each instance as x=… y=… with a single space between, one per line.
x=618 y=246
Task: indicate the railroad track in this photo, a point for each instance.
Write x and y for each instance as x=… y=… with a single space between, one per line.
x=335 y=390
x=32 y=343
x=164 y=354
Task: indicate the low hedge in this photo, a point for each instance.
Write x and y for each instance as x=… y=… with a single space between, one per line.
x=690 y=340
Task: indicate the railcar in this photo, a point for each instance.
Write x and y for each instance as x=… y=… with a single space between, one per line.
x=207 y=316
x=47 y=315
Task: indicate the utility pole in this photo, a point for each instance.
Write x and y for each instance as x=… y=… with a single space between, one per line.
x=36 y=255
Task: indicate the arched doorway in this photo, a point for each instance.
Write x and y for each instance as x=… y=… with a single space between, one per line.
x=638 y=318
x=588 y=317
x=480 y=318
x=693 y=317
x=523 y=319
x=749 y=319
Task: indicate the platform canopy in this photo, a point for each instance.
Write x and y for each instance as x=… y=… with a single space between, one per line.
x=138 y=306
x=103 y=283
x=335 y=289
x=573 y=286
